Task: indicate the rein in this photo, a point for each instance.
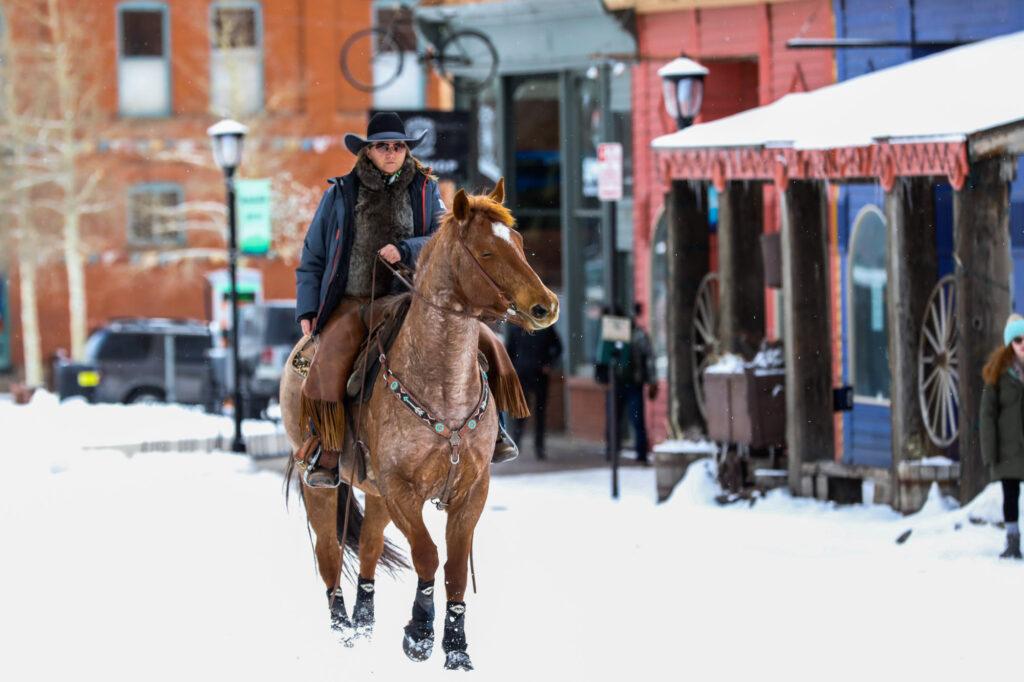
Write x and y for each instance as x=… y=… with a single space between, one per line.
x=507 y=306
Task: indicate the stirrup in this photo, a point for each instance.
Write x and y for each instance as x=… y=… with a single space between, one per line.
x=310 y=469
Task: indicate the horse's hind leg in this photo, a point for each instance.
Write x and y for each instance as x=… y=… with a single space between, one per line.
x=322 y=511
x=459 y=538
x=371 y=546
x=407 y=513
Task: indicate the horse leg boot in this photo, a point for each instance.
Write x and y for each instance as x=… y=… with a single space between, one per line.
x=508 y=392
x=371 y=546
x=459 y=538
x=406 y=509
x=323 y=392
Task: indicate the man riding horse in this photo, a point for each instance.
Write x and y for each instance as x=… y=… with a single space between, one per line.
x=388 y=206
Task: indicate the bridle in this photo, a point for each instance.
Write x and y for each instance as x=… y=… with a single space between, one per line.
x=504 y=303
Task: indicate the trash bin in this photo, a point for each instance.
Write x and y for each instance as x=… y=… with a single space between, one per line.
x=76 y=379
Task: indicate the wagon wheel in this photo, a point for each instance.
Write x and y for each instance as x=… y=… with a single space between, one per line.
x=704 y=342
x=938 y=372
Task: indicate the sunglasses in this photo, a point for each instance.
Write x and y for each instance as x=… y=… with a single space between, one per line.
x=385 y=147
x=1017 y=340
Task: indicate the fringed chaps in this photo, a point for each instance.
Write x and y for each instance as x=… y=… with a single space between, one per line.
x=322 y=403
x=501 y=377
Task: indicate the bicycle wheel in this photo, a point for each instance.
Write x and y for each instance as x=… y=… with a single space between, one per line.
x=378 y=47
x=469 y=56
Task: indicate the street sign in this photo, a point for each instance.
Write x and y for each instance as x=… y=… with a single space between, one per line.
x=252 y=207
x=609 y=171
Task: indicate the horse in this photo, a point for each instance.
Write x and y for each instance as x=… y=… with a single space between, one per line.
x=474 y=266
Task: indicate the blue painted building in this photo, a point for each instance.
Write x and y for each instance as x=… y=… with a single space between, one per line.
x=861 y=217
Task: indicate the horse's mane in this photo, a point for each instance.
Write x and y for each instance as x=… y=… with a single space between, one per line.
x=448 y=231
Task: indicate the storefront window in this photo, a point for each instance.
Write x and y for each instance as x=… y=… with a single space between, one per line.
x=869 y=333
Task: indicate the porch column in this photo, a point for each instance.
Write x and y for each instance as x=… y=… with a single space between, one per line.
x=740 y=268
x=808 y=339
x=912 y=272
x=687 y=213
x=981 y=251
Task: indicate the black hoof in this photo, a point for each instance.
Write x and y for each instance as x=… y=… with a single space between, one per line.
x=418 y=642
x=458 y=660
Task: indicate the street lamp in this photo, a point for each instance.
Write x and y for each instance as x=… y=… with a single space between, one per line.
x=682 y=87
x=227 y=136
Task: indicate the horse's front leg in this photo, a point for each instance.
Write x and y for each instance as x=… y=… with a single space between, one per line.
x=406 y=511
x=459 y=537
x=371 y=546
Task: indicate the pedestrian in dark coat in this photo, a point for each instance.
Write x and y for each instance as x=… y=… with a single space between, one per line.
x=1002 y=425
x=534 y=355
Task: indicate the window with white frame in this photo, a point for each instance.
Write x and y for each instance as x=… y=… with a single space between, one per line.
x=868 y=323
x=144 y=63
x=236 y=58
x=155 y=215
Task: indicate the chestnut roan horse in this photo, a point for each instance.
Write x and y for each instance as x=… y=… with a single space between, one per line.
x=434 y=359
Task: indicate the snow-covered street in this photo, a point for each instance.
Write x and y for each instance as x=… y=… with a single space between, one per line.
x=189 y=566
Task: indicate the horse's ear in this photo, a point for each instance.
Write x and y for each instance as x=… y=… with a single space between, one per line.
x=460 y=206
x=498 y=195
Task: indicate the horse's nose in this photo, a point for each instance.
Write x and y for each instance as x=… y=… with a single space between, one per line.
x=539 y=312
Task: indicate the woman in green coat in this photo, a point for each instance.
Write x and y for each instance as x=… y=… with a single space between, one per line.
x=1002 y=425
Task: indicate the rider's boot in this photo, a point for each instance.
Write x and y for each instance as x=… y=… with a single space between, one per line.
x=323 y=470
x=505 y=450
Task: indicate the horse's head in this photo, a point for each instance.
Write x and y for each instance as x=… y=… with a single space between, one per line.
x=490 y=270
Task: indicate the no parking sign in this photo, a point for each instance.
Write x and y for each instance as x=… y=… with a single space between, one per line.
x=609 y=171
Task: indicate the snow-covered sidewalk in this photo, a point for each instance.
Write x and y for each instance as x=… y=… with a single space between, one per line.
x=188 y=566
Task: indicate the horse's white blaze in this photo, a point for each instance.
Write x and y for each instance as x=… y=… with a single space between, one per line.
x=502 y=232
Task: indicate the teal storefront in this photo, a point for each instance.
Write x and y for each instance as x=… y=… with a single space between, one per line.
x=5 y=326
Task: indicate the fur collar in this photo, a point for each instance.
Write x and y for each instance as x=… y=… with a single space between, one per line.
x=373 y=179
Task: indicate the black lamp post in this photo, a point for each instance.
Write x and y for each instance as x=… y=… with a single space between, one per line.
x=227 y=136
x=682 y=87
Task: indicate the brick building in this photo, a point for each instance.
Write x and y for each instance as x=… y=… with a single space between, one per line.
x=161 y=73
x=743 y=45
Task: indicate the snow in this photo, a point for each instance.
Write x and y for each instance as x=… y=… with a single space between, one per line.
x=685 y=446
x=941 y=98
x=171 y=566
x=727 y=363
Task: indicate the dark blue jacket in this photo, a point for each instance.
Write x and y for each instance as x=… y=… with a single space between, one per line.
x=322 y=275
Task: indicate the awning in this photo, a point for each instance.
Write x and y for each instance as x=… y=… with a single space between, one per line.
x=930 y=116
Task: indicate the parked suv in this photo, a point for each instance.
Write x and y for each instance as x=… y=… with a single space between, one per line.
x=152 y=360
x=268 y=334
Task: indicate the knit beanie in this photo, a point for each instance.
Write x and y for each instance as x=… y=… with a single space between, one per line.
x=1014 y=327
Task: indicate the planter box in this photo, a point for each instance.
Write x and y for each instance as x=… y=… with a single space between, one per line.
x=747 y=408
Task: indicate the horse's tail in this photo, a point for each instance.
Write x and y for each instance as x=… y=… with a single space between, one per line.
x=392 y=558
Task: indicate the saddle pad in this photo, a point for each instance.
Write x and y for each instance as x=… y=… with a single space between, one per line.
x=384 y=320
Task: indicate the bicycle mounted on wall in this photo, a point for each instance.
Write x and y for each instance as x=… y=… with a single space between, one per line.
x=465 y=54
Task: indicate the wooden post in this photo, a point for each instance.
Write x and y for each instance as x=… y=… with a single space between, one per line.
x=808 y=339
x=687 y=214
x=981 y=250
x=912 y=271
x=740 y=268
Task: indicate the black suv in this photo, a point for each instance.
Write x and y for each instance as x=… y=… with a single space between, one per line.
x=153 y=360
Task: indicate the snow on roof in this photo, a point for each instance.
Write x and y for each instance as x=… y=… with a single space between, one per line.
x=941 y=98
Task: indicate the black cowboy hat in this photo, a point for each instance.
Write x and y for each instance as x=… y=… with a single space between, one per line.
x=385 y=126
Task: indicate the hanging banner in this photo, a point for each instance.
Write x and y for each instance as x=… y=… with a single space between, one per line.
x=252 y=210
x=5 y=327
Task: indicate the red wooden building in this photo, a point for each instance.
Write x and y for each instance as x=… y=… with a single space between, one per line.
x=743 y=45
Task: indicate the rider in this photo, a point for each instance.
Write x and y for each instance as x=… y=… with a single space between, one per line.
x=388 y=206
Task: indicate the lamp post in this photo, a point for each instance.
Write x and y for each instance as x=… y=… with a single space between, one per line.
x=682 y=87
x=227 y=136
